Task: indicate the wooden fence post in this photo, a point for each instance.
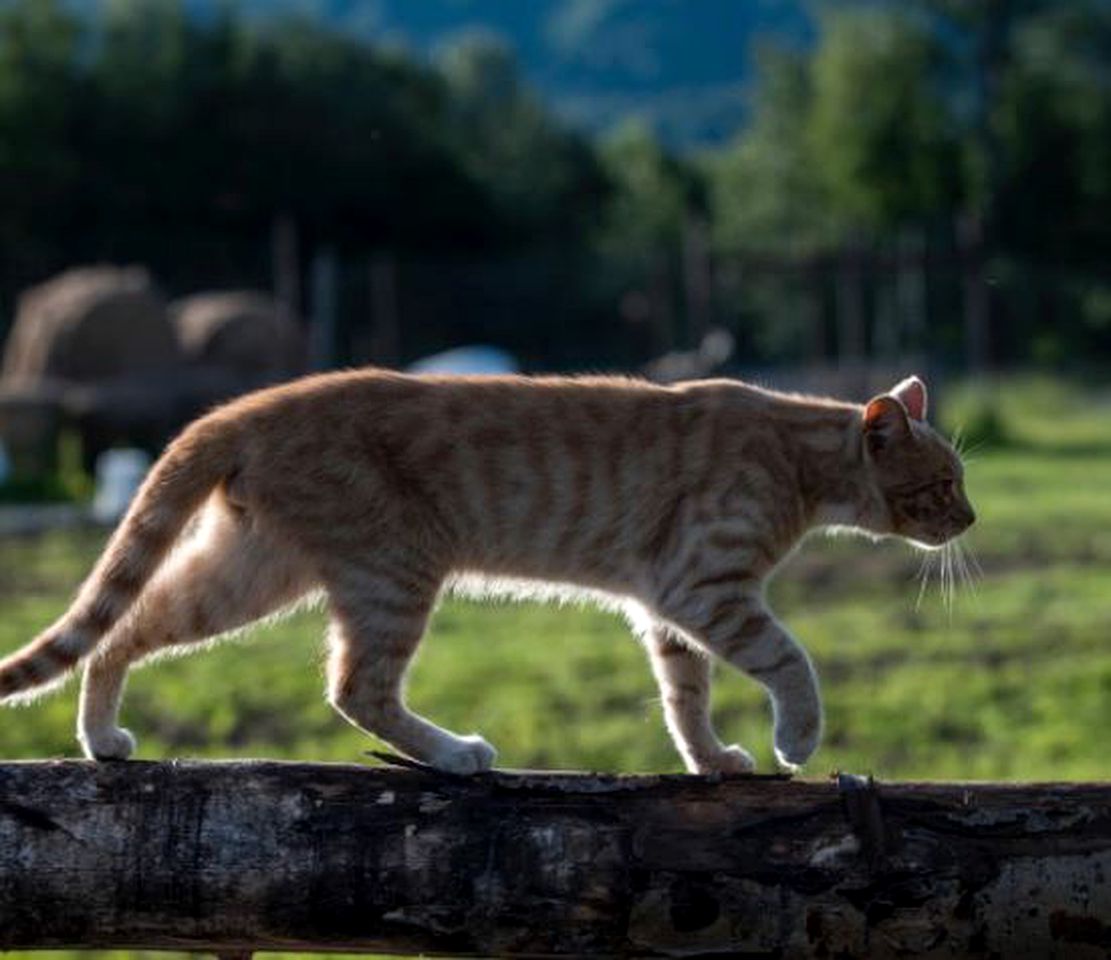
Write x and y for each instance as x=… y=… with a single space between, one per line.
x=235 y=857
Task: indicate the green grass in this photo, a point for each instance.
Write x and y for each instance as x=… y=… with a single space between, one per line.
x=1014 y=682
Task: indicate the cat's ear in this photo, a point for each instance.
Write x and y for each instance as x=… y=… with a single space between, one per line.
x=911 y=393
x=885 y=421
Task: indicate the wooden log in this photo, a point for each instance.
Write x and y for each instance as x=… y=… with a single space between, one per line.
x=233 y=857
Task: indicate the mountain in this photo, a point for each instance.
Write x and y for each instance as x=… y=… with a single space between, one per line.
x=682 y=65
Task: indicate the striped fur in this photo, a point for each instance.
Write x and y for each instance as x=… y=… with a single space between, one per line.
x=181 y=481
x=674 y=503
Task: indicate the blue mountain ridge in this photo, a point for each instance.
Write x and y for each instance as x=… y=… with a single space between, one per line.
x=681 y=65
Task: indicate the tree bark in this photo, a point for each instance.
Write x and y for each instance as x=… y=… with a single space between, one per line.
x=239 y=856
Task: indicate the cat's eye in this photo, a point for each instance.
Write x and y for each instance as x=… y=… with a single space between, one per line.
x=950 y=486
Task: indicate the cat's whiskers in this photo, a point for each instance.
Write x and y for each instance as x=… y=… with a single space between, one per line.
x=968 y=452
x=974 y=561
x=975 y=571
x=957 y=441
x=925 y=568
x=956 y=566
x=962 y=448
x=953 y=572
x=964 y=566
x=959 y=561
x=947 y=577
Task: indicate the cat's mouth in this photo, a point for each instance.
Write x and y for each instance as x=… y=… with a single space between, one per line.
x=922 y=542
x=935 y=540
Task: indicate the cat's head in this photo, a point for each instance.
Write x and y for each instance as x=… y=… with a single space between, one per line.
x=915 y=470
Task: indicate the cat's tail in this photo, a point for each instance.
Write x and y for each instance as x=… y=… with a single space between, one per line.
x=178 y=484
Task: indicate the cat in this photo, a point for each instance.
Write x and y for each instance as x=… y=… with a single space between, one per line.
x=382 y=489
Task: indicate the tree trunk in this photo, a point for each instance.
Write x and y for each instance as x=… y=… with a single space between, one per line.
x=851 y=321
x=286 y=264
x=385 y=337
x=977 y=296
x=323 y=319
x=698 y=285
x=238 y=856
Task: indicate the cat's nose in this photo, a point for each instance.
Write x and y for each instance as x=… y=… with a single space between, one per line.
x=968 y=516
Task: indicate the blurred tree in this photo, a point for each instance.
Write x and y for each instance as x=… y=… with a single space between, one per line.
x=1054 y=124
x=136 y=131
x=965 y=144
x=40 y=92
x=766 y=190
x=1053 y=201
x=541 y=177
x=655 y=197
x=881 y=136
x=884 y=144
x=1030 y=86
x=653 y=192
x=771 y=215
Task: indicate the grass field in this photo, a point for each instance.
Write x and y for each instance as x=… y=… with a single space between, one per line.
x=1013 y=682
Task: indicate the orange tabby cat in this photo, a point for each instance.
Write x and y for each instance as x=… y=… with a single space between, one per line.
x=379 y=489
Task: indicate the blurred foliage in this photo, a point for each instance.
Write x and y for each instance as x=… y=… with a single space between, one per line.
x=922 y=120
x=877 y=119
x=653 y=193
x=68 y=482
x=976 y=419
x=540 y=180
x=968 y=141
x=1010 y=683
x=882 y=122
x=766 y=191
x=144 y=133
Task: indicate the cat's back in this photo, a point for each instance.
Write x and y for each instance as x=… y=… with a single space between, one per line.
x=438 y=425
x=525 y=475
x=534 y=475
x=434 y=422
x=498 y=432
x=377 y=396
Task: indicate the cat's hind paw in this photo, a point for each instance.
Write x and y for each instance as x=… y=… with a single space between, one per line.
x=115 y=743
x=732 y=759
x=469 y=754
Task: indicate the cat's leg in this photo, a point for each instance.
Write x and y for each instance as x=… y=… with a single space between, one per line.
x=737 y=626
x=225 y=576
x=683 y=675
x=379 y=617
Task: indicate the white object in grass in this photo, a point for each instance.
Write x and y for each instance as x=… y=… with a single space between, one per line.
x=467 y=360
x=118 y=476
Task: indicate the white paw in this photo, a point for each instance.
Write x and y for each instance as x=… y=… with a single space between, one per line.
x=732 y=759
x=786 y=764
x=464 y=755
x=114 y=743
x=792 y=749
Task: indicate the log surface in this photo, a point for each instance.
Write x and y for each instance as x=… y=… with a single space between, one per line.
x=262 y=855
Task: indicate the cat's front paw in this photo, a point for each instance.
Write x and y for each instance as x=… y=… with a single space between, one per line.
x=115 y=743
x=732 y=759
x=469 y=754
x=795 y=745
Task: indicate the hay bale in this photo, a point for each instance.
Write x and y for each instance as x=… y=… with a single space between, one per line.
x=243 y=333
x=30 y=426
x=91 y=324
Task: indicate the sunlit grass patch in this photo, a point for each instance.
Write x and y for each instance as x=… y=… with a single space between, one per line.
x=1014 y=682
x=1007 y=683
